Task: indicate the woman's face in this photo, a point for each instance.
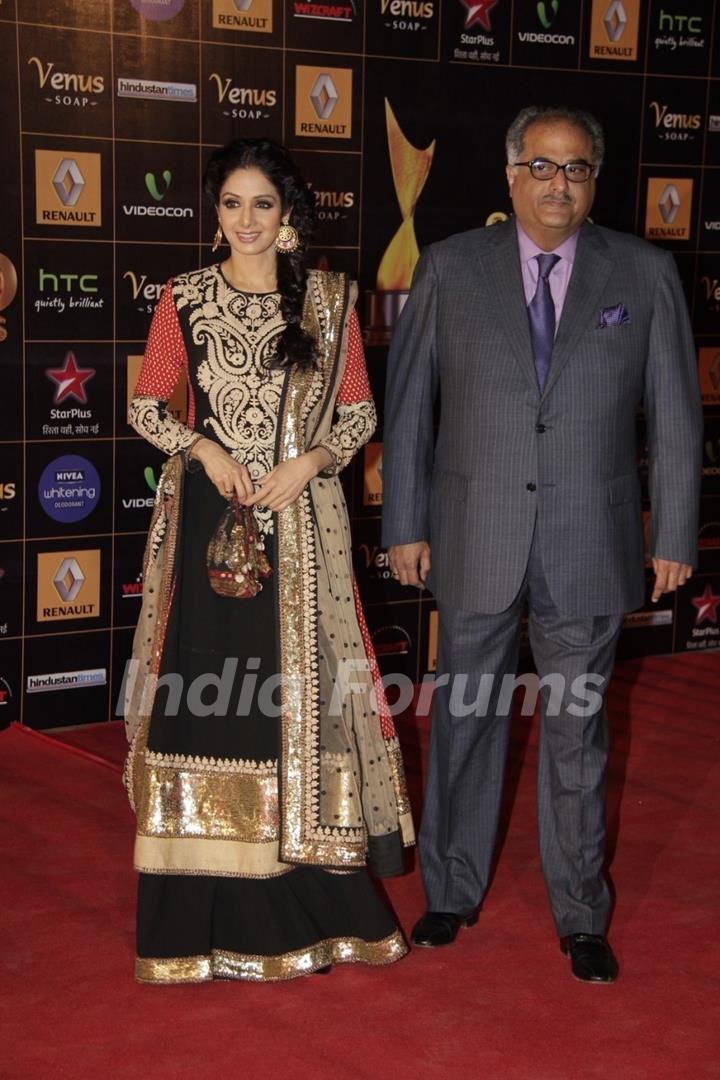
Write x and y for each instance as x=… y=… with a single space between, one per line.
x=250 y=211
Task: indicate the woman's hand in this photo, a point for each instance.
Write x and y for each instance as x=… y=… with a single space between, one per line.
x=230 y=477
x=283 y=484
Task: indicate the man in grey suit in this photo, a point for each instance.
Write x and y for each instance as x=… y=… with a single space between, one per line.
x=540 y=336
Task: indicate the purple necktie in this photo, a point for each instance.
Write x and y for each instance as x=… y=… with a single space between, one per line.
x=541 y=312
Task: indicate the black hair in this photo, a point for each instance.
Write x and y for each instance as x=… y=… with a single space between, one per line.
x=295 y=345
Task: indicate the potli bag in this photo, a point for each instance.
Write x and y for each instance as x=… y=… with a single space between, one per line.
x=236 y=558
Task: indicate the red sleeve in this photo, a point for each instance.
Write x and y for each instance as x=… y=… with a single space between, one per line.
x=354 y=385
x=165 y=355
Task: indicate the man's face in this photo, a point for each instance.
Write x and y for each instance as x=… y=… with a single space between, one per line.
x=551 y=210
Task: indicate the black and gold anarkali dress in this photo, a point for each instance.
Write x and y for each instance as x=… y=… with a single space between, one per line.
x=264 y=768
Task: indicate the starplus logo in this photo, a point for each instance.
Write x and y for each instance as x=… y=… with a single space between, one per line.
x=70 y=380
x=5 y=691
x=706 y=606
x=478 y=11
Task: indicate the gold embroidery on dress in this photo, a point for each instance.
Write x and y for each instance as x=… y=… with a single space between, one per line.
x=223 y=964
x=211 y=804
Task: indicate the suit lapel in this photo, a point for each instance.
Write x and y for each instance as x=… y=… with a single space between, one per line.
x=502 y=278
x=591 y=269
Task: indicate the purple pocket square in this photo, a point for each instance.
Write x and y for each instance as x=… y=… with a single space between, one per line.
x=613 y=316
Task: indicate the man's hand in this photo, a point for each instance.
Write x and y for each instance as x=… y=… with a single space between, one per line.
x=668 y=576
x=410 y=563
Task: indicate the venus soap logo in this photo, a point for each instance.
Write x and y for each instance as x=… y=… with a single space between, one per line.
x=66 y=87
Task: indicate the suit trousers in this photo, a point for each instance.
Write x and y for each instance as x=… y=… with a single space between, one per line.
x=477 y=662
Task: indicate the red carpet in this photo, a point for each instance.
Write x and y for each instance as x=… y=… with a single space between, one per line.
x=500 y=1004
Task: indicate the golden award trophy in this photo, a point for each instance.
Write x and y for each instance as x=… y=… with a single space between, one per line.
x=410 y=170
x=8 y=288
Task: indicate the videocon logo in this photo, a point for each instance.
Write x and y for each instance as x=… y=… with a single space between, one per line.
x=547 y=12
x=150 y=478
x=152 y=186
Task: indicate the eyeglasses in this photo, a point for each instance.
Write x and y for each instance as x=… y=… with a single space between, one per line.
x=577 y=172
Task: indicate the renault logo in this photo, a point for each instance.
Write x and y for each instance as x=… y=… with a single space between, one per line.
x=68 y=182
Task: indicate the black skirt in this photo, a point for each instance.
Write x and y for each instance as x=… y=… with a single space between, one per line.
x=193 y=927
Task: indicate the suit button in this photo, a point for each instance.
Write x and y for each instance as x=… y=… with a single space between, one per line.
x=540 y=428
x=532 y=487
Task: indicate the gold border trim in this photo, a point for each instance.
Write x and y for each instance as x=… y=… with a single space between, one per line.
x=192 y=855
x=222 y=964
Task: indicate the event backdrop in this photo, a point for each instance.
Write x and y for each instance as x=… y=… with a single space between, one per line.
x=396 y=110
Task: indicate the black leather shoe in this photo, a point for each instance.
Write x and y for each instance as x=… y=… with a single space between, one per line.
x=437 y=928
x=591 y=958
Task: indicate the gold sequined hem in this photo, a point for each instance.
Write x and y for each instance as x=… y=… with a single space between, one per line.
x=221 y=964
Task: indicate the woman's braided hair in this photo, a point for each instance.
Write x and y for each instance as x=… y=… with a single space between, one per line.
x=294 y=345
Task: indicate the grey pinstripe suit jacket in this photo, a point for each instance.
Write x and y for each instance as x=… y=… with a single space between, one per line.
x=506 y=453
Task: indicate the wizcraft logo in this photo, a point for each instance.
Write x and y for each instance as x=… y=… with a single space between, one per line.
x=614 y=29
x=67 y=189
x=330 y=12
x=255 y=16
x=67 y=88
x=68 y=585
x=323 y=102
x=669 y=206
x=243 y=102
x=674 y=127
